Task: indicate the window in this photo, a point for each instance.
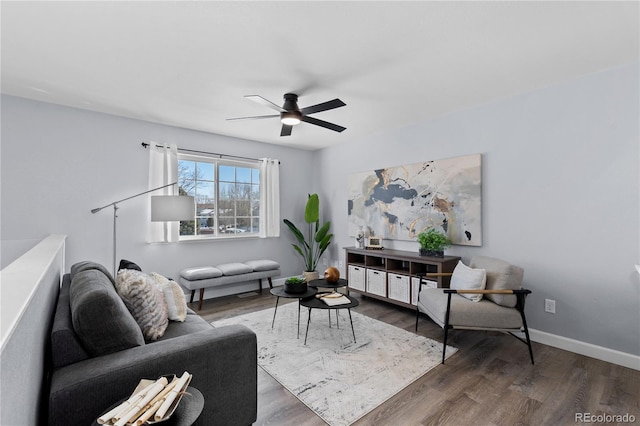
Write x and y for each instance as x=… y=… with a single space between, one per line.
x=227 y=195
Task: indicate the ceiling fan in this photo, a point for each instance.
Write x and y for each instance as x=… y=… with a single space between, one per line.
x=291 y=114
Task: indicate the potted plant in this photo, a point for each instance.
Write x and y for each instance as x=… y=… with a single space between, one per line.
x=318 y=238
x=433 y=243
x=295 y=285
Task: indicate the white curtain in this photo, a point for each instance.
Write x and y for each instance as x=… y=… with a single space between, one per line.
x=163 y=170
x=269 y=198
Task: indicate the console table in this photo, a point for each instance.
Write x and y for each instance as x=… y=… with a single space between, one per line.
x=391 y=275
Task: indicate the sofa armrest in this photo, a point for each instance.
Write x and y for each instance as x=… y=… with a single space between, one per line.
x=223 y=362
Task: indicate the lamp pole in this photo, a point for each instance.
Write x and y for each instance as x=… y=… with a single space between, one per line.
x=115 y=216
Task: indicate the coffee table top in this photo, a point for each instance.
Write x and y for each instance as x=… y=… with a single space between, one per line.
x=323 y=283
x=315 y=303
x=279 y=291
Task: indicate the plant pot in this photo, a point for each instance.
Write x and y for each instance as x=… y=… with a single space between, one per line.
x=310 y=276
x=432 y=253
x=297 y=288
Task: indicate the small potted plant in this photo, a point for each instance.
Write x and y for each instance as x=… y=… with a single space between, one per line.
x=295 y=285
x=433 y=243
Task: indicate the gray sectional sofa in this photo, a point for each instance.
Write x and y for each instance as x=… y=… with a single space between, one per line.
x=98 y=356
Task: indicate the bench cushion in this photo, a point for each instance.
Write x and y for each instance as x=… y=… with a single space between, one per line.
x=263 y=264
x=202 y=273
x=229 y=269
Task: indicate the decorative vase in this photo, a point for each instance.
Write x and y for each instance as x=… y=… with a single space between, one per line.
x=310 y=276
x=432 y=253
x=295 y=288
x=332 y=274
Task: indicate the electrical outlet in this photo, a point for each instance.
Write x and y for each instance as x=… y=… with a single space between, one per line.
x=340 y=264
x=550 y=306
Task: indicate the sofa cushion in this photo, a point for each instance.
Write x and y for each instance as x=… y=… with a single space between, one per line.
x=235 y=268
x=87 y=265
x=201 y=273
x=500 y=276
x=262 y=265
x=192 y=324
x=174 y=296
x=66 y=348
x=100 y=318
x=145 y=300
x=466 y=278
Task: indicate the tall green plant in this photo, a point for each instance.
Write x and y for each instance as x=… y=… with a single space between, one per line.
x=318 y=238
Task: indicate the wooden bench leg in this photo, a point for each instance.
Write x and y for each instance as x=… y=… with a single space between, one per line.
x=201 y=297
x=193 y=292
x=270 y=283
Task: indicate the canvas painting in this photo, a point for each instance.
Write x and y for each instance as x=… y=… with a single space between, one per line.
x=398 y=203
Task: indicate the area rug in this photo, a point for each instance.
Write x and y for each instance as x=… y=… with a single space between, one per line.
x=339 y=379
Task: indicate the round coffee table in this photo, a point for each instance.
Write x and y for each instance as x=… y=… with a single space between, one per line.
x=325 y=284
x=315 y=303
x=279 y=292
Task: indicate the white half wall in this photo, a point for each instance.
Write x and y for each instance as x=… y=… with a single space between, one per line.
x=29 y=290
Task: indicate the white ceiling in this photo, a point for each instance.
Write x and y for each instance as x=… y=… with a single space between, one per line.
x=189 y=64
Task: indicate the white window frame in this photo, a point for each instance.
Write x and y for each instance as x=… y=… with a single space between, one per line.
x=217 y=162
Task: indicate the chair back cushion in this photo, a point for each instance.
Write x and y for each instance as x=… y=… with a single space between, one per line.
x=500 y=276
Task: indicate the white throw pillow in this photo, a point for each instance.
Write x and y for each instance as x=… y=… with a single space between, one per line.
x=173 y=294
x=466 y=278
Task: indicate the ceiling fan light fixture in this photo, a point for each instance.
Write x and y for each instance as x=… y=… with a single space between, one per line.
x=291 y=118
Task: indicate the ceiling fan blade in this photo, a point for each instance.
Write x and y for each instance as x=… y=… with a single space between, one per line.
x=255 y=117
x=323 y=123
x=262 y=101
x=336 y=103
x=286 y=130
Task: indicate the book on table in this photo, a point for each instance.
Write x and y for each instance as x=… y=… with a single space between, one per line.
x=334 y=299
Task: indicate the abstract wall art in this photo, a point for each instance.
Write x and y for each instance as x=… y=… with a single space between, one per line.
x=398 y=203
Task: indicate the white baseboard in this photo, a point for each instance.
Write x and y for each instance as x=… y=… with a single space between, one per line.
x=599 y=352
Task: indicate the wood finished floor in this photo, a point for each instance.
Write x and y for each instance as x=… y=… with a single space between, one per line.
x=489 y=381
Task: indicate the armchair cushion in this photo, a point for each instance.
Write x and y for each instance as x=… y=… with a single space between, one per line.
x=467 y=314
x=466 y=278
x=500 y=276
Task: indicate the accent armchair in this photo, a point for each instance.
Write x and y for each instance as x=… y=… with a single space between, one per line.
x=499 y=304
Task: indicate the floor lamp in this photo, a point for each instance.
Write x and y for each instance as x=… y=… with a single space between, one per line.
x=164 y=208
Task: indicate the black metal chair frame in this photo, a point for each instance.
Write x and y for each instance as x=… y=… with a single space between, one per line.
x=520 y=294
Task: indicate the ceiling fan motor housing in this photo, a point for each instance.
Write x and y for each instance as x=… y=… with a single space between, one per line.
x=290 y=102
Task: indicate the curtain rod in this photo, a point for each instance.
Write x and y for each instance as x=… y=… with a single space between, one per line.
x=145 y=145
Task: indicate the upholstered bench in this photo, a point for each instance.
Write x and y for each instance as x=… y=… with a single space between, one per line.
x=203 y=277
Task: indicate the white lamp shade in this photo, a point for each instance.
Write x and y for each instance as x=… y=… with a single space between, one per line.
x=169 y=208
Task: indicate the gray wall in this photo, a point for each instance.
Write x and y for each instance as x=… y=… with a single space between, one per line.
x=58 y=163
x=560 y=192
x=560 y=196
